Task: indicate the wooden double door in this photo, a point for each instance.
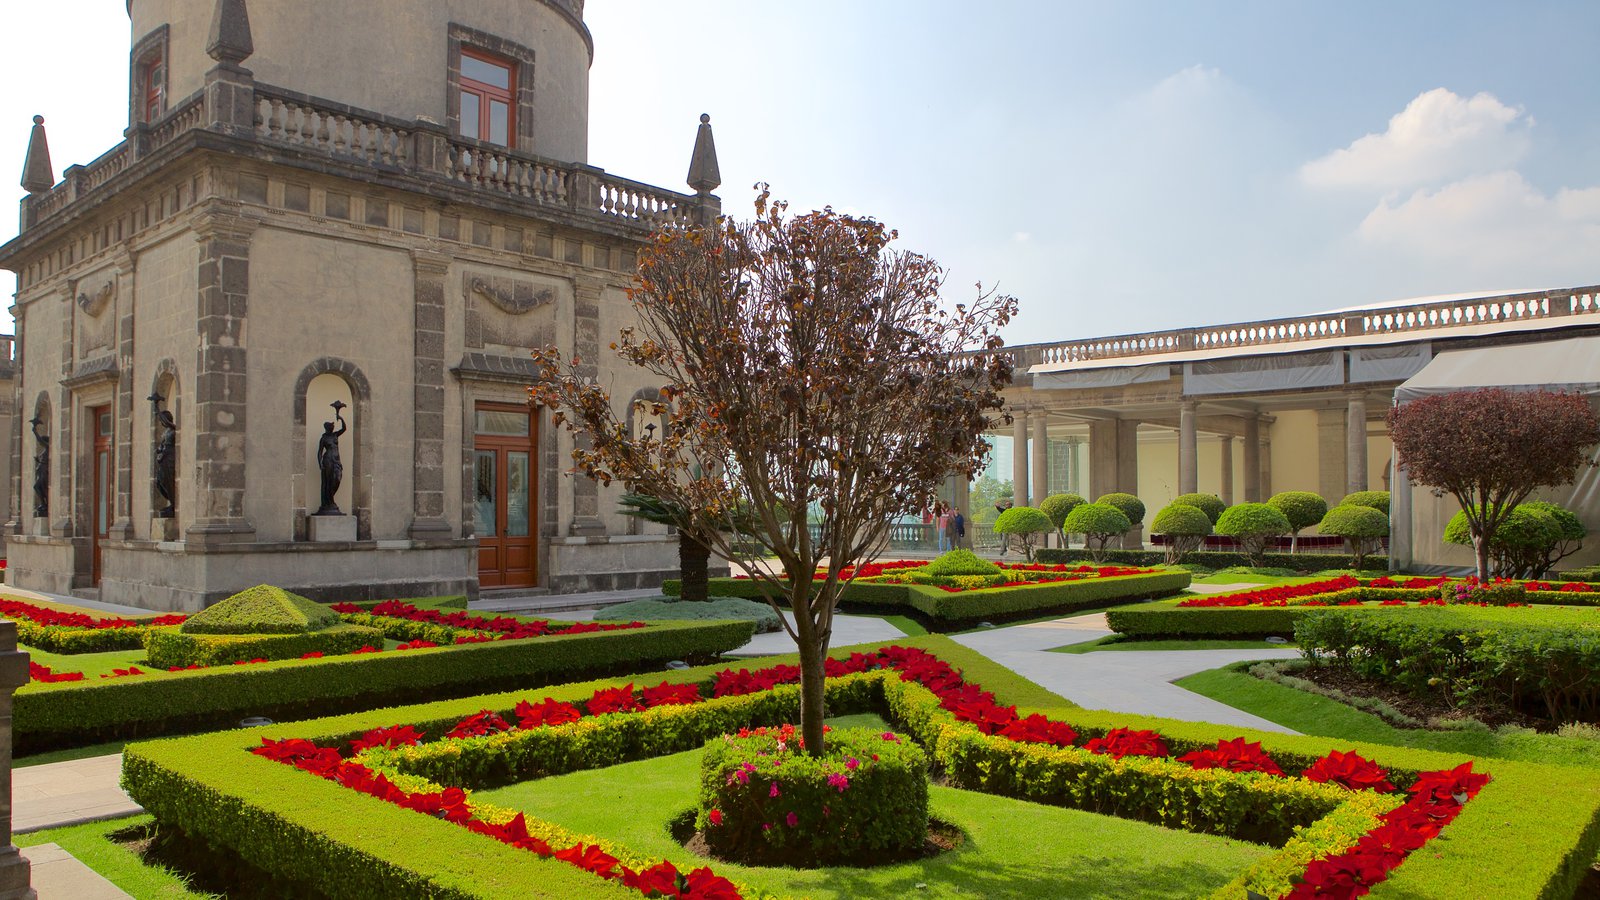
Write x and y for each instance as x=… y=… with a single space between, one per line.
x=504 y=478
x=104 y=487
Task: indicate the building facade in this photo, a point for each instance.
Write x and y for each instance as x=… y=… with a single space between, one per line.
x=295 y=222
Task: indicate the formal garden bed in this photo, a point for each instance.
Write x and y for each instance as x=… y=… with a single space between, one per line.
x=359 y=657
x=970 y=590
x=445 y=799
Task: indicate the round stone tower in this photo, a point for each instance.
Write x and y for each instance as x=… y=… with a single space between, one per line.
x=405 y=59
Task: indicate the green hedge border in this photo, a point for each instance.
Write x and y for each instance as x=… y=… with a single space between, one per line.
x=1507 y=843
x=1216 y=559
x=67 y=714
x=943 y=610
x=167 y=649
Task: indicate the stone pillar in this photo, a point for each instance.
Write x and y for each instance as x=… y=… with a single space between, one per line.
x=20 y=507
x=1252 y=458
x=1225 y=448
x=1331 y=443
x=1074 y=483
x=1355 y=453
x=1019 y=458
x=962 y=499
x=1266 y=462
x=428 y=521
x=122 y=521
x=586 y=346
x=1188 y=450
x=1128 y=474
x=220 y=371
x=14 y=869
x=1041 y=458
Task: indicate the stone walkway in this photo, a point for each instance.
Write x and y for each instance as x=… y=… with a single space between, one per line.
x=66 y=793
x=58 y=875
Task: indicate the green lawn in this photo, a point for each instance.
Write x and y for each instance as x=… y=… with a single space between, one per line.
x=96 y=846
x=1313 y=714
x=1242 y=578
x=1122 y=642
x=1013 y=848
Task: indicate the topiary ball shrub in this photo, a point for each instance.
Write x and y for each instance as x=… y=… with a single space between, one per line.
x=1056 y=506
x=1210 y=504
x=1253 y=525
x=1362 y=527
x=1303 y=509
x=1185 y=528
x=263 y=609
x=765 y=801
x=1378 y=500
x=1128 y=504
x=659 y=609
x=959 y=562
x=1098 y=523
x=1024 y=523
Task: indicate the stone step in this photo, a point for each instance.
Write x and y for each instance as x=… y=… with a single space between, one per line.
x=58 y=875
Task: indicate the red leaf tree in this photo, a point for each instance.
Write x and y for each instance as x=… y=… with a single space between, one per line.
x=1491 y=448
x=810 y=376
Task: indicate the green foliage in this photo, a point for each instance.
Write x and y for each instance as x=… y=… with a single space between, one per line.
x=959 y=562
x=263 y=609
x=174 y=649
x=756 y=783
x=1378 y=500
x=1210 y=504
x=671 y=609
x=1024 y=524
x=1302 y=509
x=1253 y=519
x=1098 y=523
x=62 y=639
x=1056 y=506
x=1216 y=559
x=1362 y=527
x=1131 y=506
x=1523 y=528
x=1540 y=659
x=1181 y=519
x=76 y=713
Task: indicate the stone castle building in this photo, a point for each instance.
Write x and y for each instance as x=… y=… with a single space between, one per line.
x=291 y=223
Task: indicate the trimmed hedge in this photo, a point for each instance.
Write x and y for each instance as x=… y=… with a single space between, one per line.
x=169 y=649
x=68 y=714
x=62 y=639
x=1505 y=844
x=1215 y=559
x=263 y=609
x=660 y=609
x=949 y=610
x=448 y=601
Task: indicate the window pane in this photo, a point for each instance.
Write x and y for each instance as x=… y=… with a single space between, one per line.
x=469 y=115
x=506 y=422
x=483 y=510
x=102 y=483
x=492 y=74
x=517 y=494
x=105 y=424
x=498 y=119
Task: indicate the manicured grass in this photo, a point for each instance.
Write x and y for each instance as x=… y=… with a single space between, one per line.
x=1013 y=848
x=92 y=665
x=1313 y=714
x=1122 y=642
x=94 y=846
x=1241 y=578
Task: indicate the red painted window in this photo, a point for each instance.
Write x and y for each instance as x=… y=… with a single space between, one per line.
x=153 y=87
x=487 y=98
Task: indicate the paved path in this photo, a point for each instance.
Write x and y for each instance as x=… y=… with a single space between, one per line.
x=65 y=793
x=58 y=875
x=1124 y=680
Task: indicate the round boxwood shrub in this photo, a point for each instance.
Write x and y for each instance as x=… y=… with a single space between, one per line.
x=1131 y=506
x=1056 y=506
x=1210 y=504
x=1253 y=525
x=1023 y=523
x=1362 y=527
x=765 y=801
x=1521 y=542
x=959 y=562
x=1378 y=500
x=1185 y=528
x=1098 y=523
x=1303 y=509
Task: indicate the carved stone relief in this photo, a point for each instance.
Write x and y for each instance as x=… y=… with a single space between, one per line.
x=95 y=295
x=505 y=310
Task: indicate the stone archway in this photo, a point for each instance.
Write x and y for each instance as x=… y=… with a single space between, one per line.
x=359 y=457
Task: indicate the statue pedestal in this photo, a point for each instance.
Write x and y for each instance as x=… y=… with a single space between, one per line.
x=163 y=529
x=325 y=529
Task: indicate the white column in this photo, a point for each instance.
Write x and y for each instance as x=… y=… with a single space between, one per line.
x=1252 y=458
x=1041 y=458
x=1188 y=450
x=1355 y=454
x=1019 y=458
x=1225 y=445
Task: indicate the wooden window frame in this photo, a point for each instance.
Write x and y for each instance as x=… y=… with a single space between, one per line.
x=464 y=41
x=149 y=97
x=486 y=93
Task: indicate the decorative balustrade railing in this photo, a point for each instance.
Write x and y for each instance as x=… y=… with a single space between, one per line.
x=421 y=148
x=1283 y=334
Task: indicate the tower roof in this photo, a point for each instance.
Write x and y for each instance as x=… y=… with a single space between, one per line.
x=38 y=175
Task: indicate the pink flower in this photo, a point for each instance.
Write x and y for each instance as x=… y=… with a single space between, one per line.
x=774 y=792
x=716 y=817
x=890 y=736
x=792 y=819
x=851 y=763
x=836 y=780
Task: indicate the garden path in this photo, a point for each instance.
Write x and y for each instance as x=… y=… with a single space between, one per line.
x=66 y=793
x=1125 y=680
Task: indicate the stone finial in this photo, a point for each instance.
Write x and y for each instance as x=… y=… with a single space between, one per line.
x=230 y=33
x=37 y=174
x=704 y=175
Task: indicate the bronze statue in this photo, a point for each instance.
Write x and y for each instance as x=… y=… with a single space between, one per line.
x=328 y=462
x=41 y=470
x=165 y=467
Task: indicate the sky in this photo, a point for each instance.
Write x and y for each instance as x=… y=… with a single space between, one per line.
x=1117 y=166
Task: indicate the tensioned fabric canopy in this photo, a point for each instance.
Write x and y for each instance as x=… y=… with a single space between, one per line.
x=1417 y=518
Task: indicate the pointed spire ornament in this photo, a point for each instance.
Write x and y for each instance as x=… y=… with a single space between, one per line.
x=37 y=174
x=704 y=175
x=230 y=33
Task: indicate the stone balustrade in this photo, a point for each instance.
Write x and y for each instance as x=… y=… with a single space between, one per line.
x=1281 y=335
x=420 y=148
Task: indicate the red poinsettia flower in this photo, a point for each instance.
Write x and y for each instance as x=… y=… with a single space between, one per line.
x=546 y=712
x=479 y=724
x=590 y=858
x=393 y=736
x=703 y=884
x=1235 y=756
x=1349 y=770
x=610 y=700
x=1120 y=742
x=665 y=694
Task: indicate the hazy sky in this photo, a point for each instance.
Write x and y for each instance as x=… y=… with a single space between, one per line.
x=1117 y=166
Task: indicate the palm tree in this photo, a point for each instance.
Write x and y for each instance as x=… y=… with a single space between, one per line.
x=694 y=554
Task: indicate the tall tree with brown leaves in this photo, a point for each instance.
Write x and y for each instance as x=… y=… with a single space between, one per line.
x=810 y=375
x=1491 y=448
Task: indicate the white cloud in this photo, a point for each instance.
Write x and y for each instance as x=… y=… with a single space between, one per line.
x=1493 y=222
x=1437 y=137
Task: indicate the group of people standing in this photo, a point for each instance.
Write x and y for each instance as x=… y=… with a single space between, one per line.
x=950 y=526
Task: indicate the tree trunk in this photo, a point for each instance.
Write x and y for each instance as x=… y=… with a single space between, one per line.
x=813 y=647
x=1480 y=548
x=694 y=560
